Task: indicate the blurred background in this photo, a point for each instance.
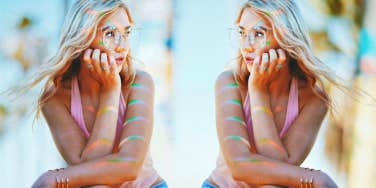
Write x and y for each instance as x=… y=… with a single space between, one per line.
x=185 y=45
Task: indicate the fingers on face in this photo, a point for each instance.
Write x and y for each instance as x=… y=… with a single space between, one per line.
x=96 y=60
x=104 y=63
x=281 y=58
x=87 y=59
x=256 y=65
x=273 y=60
x=113 y=67
x=264 y=63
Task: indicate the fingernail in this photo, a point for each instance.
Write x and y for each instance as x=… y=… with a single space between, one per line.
x=256 y=60
x=265 y=57
x=112 y=60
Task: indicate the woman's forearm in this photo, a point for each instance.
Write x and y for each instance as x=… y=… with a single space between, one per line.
x=260 y=170
x=103 y=134
x=109 y=170
x=266 y=134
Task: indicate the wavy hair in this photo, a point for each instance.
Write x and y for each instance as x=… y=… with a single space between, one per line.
x=291 y=34
x=78 y=32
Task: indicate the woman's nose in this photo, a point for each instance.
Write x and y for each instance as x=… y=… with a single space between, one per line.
x=119 y=49
x=249 y=49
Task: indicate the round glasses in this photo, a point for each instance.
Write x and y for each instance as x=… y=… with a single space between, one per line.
x=256 y=37
x=114 y=39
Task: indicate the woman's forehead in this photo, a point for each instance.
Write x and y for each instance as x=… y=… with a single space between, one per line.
x=118 y=19
x=250 y=19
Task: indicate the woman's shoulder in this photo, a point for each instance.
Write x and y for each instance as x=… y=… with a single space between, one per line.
x=224 y=78
x=56 y=96
x=311 y=95
x=144 y=79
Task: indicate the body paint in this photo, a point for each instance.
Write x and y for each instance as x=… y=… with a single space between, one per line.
x=249 y=161
x=135 y=101
x=229 y=86
x=122 y=161
x=106 y=109
x=129 y=138
x=237 y=119
x=132 y=119
x=90 y=108
x=262 y=109
x=233 y=101
x=272 y=143
x=238 y=138
x=98 y=143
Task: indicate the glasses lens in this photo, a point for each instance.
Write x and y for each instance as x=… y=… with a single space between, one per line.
x=112 y=38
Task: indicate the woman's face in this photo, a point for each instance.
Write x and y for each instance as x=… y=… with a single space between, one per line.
x=113 y=36
x=255 y=35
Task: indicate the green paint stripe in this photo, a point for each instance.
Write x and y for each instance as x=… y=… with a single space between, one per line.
x=232 y=85
x=234 y=101
x=237 y=119
x=136 y=85
x=135 y=101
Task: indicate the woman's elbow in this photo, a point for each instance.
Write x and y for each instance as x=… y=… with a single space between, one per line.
x=130 y=173
x=74 y=161
x=132 y=170
x=238 y=173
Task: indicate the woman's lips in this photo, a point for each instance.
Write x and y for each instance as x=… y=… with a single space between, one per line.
x=249 y=59
x=119 y=60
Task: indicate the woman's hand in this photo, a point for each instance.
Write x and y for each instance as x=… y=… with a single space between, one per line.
x=102 y=68
x=51 y=179
x=263 y=67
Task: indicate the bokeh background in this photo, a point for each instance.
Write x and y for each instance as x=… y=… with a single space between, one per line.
x=185 y=45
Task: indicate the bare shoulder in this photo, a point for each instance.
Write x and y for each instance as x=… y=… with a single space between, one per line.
x=223 y=79
x=144 y=78
x=60 y=97
x=312 y=98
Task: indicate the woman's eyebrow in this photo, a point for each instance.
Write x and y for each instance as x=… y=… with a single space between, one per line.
x=113 y=27
x=259 y=27
x=108 y=27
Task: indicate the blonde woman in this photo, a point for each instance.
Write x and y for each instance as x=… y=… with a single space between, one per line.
x=269 y=108
x=98 y=107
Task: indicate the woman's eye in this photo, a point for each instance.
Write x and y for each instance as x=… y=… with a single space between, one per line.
x=241 y=33
x=110 y=34
x=259 y=34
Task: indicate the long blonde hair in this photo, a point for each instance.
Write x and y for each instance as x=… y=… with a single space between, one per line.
x=78 y=32
x=293 y=37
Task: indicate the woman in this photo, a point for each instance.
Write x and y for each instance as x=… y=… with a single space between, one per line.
x=269 y=108
x=98 y=107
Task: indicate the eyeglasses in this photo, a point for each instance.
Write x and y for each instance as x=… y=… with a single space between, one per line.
x=257 y=37
x=113 y=38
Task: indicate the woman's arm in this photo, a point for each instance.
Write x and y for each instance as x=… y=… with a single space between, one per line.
x=243 y=163
x=135 y=138
x=301 y=134
x=298 y=142
x=103 y=134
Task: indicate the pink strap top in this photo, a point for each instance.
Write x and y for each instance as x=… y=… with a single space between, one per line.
x=147 y=175
x=221 y=174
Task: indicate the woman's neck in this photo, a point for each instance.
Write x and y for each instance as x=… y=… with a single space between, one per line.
x=280 y=84
x=88 y=85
